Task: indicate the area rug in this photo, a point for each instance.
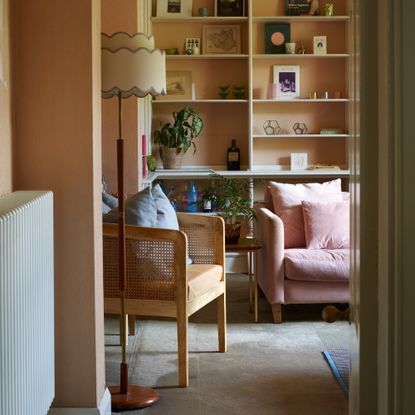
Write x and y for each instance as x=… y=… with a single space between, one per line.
x=339 y=361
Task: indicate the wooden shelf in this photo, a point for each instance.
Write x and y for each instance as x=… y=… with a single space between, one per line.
x=300 y=56
x=199 y=19
x=201 y=57
x=300 y=100
x=294 y=136
x=202 y=101
x=300 y=19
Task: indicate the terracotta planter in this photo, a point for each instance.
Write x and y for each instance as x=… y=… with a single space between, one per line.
x=172 y=158
x=232 y=233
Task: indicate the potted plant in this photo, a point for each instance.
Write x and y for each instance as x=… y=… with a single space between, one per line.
x=177 y=138
x=232 y=201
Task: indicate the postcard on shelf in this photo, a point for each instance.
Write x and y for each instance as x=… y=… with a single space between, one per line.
x=298 y=161
x=174 y=8
x=287 y=79
x=320 y=45
x=276 y=36
x=221 y=39
x=179 y=86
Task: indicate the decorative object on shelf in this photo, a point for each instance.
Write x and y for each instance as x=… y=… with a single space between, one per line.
x=192 y=46
x=174 y=8
x=320 y=45
x=258 y=93
x=290 y=48
x=271 y=127
x=331 y=131
x=151 y=163
x=233 y=157
x=203 y=11
x=224 y=91
x=301 y=50
x=297 y=7
x=229 y=7
x=314 y=7
x=179 y=86
x=300 y=128
x=276 y=35
x=233 y=204
x=192 y=198
x=313 y=95
x=337 y=94
x=324 y=167
x=323 y=95
x=272 y=91
x=177 y=138
x=328 y=9
x=130 y=65
x=288 y=80
x=221 y=39
x=298 y=161
x=239 y=91
x=171 y=51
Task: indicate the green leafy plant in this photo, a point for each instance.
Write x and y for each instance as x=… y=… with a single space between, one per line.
x=186 y=127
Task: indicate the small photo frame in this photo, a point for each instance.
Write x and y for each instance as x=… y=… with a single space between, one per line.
x=221 y=39
x=320 y=45
x=276 y=35
x=174 y=8
x=191 y=42
x=229 y=8
x=299 y=161
x=178 y=85
x=287 y=79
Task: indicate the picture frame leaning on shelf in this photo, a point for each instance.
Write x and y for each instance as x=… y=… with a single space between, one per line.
x=221 y=39
x=287 y=78
x=174 y=8
x=230 y=8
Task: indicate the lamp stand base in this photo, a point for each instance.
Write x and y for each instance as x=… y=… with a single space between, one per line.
x=136 y=397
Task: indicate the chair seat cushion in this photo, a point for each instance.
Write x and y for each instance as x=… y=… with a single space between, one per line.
x=325 y=265
x=201 y=278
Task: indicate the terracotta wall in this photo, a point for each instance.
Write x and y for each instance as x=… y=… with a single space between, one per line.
x=5 y=127
x=57 y=146
x=120 y=16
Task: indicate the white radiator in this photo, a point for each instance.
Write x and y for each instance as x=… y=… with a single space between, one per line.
x=27 y=365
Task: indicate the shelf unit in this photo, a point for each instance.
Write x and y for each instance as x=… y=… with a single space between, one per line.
x=242 y=119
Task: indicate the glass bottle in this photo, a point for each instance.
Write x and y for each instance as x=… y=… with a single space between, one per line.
x=234 y=157
x=192 y=198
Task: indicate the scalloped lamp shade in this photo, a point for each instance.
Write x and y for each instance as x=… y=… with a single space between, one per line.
x=131 y=65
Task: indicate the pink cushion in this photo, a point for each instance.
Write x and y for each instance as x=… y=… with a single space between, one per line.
x=268 y=199
x=326 y=224
x=287 y=200
x=317 y=264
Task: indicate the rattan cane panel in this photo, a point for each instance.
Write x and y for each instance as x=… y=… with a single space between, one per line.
x=201 y=242
x=149 y=269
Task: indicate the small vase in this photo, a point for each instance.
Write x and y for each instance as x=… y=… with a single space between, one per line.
x=172 y=158
x=232 y=233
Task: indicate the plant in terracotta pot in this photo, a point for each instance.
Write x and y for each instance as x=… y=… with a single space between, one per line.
x=176 y=138
x=231 y=199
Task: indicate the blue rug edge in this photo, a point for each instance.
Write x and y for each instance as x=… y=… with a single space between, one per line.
x=336 y=372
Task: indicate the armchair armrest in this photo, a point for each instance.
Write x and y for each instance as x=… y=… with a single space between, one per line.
x=206 y=237
x=269 y=229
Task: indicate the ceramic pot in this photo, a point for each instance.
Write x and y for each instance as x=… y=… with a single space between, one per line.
x=172 y=158
x=232 y=233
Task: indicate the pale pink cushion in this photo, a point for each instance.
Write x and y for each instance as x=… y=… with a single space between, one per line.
x=287 y=200
x=268 y=203
x=326 y=224
x=317 y=264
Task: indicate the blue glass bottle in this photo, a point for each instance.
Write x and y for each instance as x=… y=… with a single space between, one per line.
x=192 y=198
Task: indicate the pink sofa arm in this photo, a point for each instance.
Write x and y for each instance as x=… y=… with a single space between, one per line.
x=269 y=229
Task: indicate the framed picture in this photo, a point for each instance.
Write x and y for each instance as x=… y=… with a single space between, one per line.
x=299 y=161
x=276 y=36
x=174 y=8
x=229 y=7
x=287 y=79
x=179 y=86
x=296 y=7
x=320 y=45
x=220 y=39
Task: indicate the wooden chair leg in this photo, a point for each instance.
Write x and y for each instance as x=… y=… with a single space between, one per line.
x=131 y=325
x=221 y=310
x=182 y=322
x=276 y=313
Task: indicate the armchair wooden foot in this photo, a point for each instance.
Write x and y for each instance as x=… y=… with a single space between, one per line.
x=182 y=322
x=276 y=313
x=221 y=304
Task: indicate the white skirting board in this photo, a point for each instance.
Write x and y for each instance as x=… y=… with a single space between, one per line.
x=103 y=409
x=236 y=263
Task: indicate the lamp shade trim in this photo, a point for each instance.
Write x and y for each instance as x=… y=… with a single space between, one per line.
x=123 y=39
x=133 y=91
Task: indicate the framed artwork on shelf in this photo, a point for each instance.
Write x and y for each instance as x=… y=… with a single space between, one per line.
x=299 y=161
x=191 y=44
x=178 y=85
x=320 y=45
x=287 y=79
x=229 y=7
x=174 y=8
x=297 y=7
x=220 y=39
x=276 y=36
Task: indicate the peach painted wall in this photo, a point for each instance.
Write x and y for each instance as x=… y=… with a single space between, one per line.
x=120 y=16
x=57 y=145
x=5 y=126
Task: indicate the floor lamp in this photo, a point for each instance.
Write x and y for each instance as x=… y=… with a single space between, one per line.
x=130 y=65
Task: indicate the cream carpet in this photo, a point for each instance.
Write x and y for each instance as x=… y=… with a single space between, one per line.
x=269 y=369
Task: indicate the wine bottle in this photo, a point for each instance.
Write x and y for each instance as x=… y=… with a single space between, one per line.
x=234 y=157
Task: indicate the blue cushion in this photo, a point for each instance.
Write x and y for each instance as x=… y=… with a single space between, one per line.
x=140 y=210
x=109 y=200
x=105 y=208
x=166 y=215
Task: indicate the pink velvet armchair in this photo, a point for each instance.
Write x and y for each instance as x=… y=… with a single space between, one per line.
x=297 y=275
